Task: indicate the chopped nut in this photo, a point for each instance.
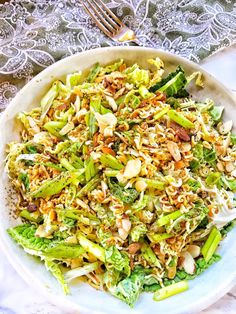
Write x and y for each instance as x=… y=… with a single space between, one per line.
x=174 y=150
x=194 y=250
x=220 y=166
x=186 y=147
x=132 y=168
x=140 y=185
x=229 y=166
x=106 y=122
x=126 y=224
x=180 y=132
x=188 y=263
x=226 y=127
x=233 y=173
x=133 y=248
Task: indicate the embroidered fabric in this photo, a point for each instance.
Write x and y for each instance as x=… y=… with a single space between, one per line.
x=35 y=34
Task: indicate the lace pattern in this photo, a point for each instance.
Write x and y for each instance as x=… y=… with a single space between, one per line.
x=35 y=34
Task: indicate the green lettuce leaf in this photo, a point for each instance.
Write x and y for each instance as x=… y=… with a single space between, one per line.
x=129 y=289
x=138 y=232
x=55 y=269
x=48 y=99
x=138 y=77
x=127 y=196
x=216 y=113
x=24 y=235
x=73 y=79
x=119 y=260
x=140 y=204
x=173 y=85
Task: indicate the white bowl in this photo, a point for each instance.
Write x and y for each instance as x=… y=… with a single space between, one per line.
x=204 y=290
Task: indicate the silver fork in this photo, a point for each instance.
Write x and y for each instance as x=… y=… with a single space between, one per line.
x=107 y=21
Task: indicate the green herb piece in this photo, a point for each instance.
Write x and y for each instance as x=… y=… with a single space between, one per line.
x=180 y=119
x=209 y=155
x=161 y=113
x=93 y=73
x=55 y=185
x=90 y=186
x=91 y=247
x=213 y=178
x=211 y=244
x=171 y=290
x=173 y=102
x=198 y=155
x=31 y=149
x=154 y=183
x=30 y=216
x=90 y=169
x=111 y=162
x=164 y=220
x=233 y=139
x=227 y=228
x=194 y=184
x=155 y=237
x=24 y=178
x=54 y=127
x=149 y=255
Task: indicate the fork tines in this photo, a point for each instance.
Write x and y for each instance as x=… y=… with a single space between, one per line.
x=104 y=18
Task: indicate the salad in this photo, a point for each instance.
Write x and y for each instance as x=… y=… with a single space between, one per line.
x=125 y=180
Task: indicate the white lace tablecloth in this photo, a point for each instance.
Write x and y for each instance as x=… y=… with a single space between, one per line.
x=18 y=298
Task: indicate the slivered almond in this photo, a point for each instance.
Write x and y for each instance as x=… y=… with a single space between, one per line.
x=174 y=150
x=194 y=250
x=188 y=263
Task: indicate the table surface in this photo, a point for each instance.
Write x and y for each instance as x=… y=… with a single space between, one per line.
x=16 y=297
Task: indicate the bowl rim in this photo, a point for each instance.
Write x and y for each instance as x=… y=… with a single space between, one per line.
x=22 y=269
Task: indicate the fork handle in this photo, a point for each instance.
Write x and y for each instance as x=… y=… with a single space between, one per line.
x=135 y=42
